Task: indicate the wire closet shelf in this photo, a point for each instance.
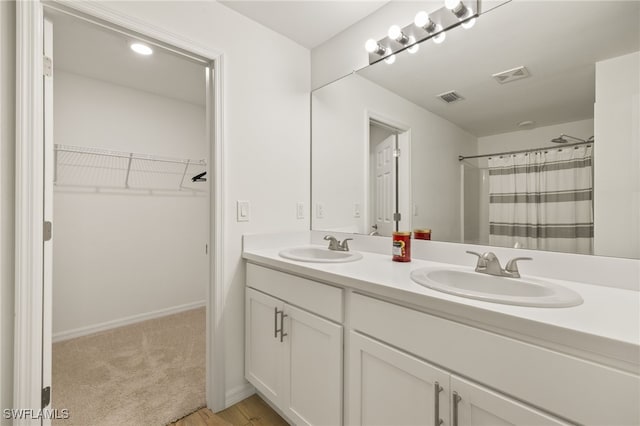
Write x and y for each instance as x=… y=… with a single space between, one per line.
x=76 y=166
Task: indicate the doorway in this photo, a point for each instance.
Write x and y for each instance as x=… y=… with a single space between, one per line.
x=389 y=182
x=130 y=205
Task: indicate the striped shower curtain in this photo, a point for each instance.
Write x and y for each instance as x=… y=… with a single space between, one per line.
x=542 y=200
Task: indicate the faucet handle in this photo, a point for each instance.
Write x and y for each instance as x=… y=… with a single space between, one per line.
x=512 y=265
x=344 y=246
x=482 y=263
x=474 y=253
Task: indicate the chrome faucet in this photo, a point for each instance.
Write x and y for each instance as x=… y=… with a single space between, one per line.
x=334 y=244
x=488 y=263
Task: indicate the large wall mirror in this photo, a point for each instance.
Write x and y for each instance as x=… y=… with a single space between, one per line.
x=522 y=131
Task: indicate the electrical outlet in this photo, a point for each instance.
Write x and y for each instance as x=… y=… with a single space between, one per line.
x=319 y=211
x=356 y=210
x=243 y=210
x=415 y=210
x=300 y=210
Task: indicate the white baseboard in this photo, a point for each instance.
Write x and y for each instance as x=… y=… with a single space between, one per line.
x=238 y=393
x=83 y=331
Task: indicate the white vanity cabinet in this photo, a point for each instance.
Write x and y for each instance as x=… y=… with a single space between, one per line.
x=526 y=381
x=390 y=387
x=293 y=353
x=475 y=405
x=405 y=365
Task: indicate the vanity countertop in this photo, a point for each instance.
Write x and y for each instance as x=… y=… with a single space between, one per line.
x=605 y=328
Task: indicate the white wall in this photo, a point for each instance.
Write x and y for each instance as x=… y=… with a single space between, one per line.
x=617 y=157
x=266 y=131
x=534 y=138
x=7 y=183
x=122 y=254
x=341 y=151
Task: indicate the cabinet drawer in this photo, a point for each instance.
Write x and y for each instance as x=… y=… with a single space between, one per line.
x=578 y=390
x=315 y=297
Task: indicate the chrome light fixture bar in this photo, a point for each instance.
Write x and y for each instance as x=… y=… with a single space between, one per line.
x=426 y=26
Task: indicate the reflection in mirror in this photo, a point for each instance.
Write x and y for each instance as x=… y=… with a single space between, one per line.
x=526 y=74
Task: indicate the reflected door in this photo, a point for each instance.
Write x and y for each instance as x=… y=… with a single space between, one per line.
x=385 y=186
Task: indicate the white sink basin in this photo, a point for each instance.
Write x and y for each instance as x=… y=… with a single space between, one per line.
x=319 y=255
x=509 y=291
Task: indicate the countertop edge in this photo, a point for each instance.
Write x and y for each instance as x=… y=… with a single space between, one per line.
x=618 y=354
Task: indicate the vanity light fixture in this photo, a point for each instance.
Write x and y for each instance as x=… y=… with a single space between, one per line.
x=462 y=12
x=390 y=59
x=395 y=33
x=141 y=49
x=432 y=25
x=422 y=20
x=457 y=8
x=373 y=46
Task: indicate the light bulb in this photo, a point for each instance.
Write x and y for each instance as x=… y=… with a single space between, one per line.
x=451 y=4
x=440 y=37
x=141 y=49
x=469 y=24
x=371 y=45
x=390 y=59
x=421 y=19
x=394 y=32
x=413 y=49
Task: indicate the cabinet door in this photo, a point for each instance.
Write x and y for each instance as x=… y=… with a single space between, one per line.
x=313 y=369
x=263 y=351
x=389 y=387
x=479 y=406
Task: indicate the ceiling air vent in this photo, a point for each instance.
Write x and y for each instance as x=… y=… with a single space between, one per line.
x=511 y=75
x=450 y=97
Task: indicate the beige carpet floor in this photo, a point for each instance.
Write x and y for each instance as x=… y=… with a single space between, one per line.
x=149 y=373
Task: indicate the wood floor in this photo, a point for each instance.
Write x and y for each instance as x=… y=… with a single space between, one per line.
x=253 y=411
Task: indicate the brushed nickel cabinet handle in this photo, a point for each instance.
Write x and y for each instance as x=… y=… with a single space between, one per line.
x=436 y=404
x=456 y=400
x=275 y=323
x=282 y=333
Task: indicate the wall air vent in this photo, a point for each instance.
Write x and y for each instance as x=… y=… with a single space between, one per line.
x=450 y=97
x=511 y=75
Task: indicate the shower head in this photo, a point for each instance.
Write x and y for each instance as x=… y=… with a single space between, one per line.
x=563 y=139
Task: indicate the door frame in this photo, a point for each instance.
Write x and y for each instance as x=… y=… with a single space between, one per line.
x=30 y=192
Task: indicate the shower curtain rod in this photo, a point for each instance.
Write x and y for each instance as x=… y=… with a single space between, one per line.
x=460 y=157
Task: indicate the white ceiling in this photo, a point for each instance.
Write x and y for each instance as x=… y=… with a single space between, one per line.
x=90 y=50
x=559 y=43
x=309 y=23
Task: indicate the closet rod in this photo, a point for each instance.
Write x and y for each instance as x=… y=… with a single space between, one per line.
x=546 y=148
x=127 y=155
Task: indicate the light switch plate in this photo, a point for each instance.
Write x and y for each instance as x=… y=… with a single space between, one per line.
x=243 y=209
x=356 y=210
x=300 y=210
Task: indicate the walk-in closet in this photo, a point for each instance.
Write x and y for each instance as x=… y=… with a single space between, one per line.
x=131 y=226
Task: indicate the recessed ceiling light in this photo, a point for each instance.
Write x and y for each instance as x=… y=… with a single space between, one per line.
x=141 y=49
